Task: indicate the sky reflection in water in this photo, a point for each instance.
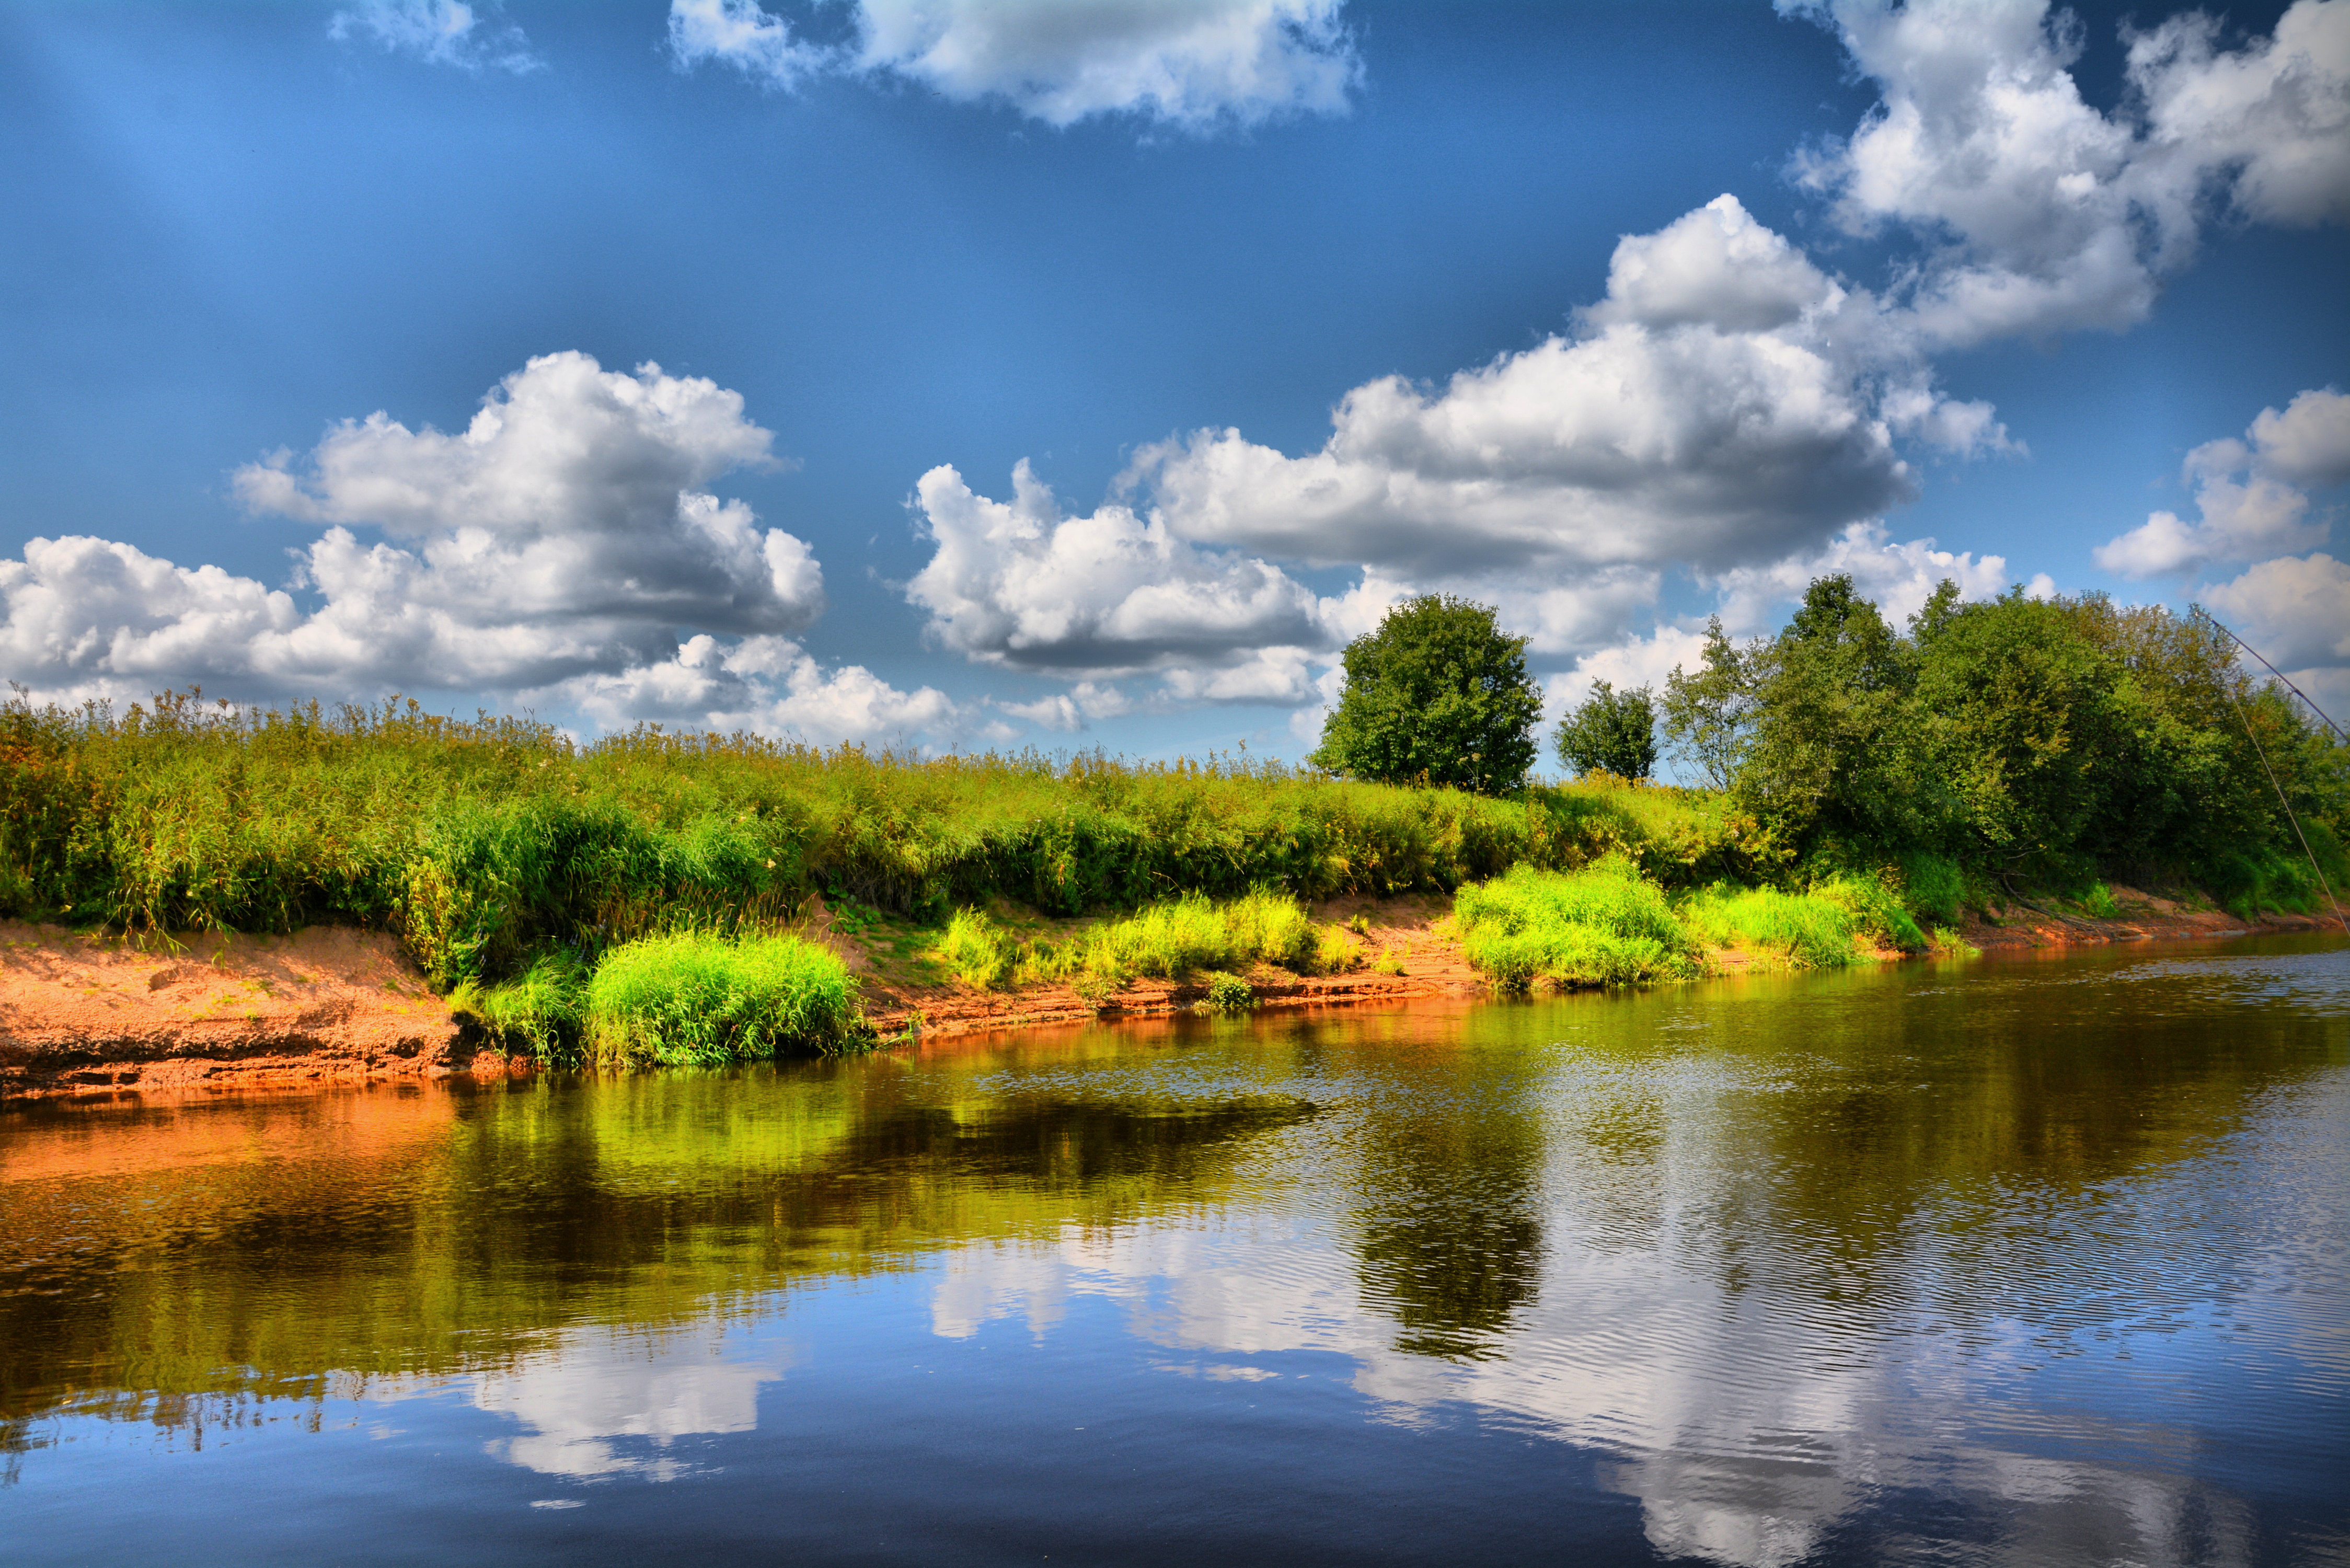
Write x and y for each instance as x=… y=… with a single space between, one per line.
x=2019 y=1263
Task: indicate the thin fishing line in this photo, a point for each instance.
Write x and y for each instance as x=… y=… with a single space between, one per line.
x=2271 y=669
x=2262 y=753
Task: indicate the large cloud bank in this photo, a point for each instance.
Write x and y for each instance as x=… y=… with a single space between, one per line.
x=1189 y=64
x=559 y=545
x=1731 y=409
x=2044 y=215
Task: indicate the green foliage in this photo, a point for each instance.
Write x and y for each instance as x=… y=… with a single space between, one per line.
x=1678 y=838
x=1876 y=906
x=694 y=997
x=978 y=951
x=1611 y=732
x=1167 y=940
x=1604 y=925
x=1230 y=994
x=542 y=1015
x=1798 y=930
x=1933 y=887
x=1708 y=712
x=1436 y=695
x=2047 y=740
x=2098 y=902
x=484 y=843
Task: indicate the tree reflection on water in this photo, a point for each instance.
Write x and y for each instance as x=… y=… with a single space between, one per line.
x=1774 y=1250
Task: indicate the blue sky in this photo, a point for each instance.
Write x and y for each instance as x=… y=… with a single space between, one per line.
x=1613 y=316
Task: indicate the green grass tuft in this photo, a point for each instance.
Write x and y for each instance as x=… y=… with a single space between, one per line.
x=1604 y=925
x=1230 y=994
x=542 y=1015
x=978 y=951
x=692 y=997
x=1166 y=940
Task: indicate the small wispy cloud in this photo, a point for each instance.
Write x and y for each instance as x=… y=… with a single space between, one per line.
x=439 y=33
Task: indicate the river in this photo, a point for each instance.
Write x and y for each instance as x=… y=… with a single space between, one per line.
x=2032 y=1260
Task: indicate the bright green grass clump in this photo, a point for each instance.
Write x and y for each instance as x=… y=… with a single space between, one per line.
x=695 y=998
x=1800 y=930
x=1841 y=920
x=1173 y=938
x=543 y=1013
x=1604 y=925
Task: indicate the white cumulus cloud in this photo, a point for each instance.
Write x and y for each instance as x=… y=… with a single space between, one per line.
x=768 y=685
x=738 y=33
x=1898 y=575
x=1018 y=584
x=1189 y=64
x=560 y=546
x=2247 y=493
x=2296 y=611
x=1726 y=402
x=2046 y=214
x=439 y=32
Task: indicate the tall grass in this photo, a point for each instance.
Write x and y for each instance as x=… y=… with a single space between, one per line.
x=1167 y=940
x=1604 y=925
x=543 y=1013
x=1797 y=931
x=691 y=997
x=485 y=843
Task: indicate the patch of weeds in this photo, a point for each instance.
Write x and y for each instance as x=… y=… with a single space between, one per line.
x=1945 y=943
x=851 y=918
x=1604 y=925
x=1229 y=993
x=692 y=997
x=544 y=1012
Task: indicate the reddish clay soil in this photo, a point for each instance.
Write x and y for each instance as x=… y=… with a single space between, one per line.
x=2144 y=918
x=82 y=1014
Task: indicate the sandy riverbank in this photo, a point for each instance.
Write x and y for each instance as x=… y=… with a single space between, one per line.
x=82 y=1013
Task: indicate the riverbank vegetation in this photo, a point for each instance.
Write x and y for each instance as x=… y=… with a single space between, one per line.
x=620 y=900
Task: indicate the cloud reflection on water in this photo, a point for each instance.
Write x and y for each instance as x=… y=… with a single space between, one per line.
x=601 y=1405
x=1750 y=1413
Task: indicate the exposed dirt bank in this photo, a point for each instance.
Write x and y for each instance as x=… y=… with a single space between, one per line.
x=82 y=1014
x=2142 y=918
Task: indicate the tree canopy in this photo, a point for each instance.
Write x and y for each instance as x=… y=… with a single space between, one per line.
x=2052 y=739
x=1438 y=692
x=1611 y=732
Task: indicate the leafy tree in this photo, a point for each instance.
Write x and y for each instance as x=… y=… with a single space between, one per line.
x=1436 y=692
x=1834 y=759
x=1708 y=714
x=1611 y=732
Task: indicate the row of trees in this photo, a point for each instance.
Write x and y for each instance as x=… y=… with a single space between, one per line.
x=2052 y=740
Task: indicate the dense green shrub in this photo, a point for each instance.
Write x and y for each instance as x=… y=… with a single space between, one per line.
x=1799 y=930
x=1604 y=925
x=2041 y=741
x=692 y=997
x=544 y=1013
x=1166 y=940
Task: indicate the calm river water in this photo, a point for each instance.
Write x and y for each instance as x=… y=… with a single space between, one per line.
x=2029 y=1262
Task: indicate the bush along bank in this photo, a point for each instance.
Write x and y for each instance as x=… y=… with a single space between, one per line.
x=1870 y=788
